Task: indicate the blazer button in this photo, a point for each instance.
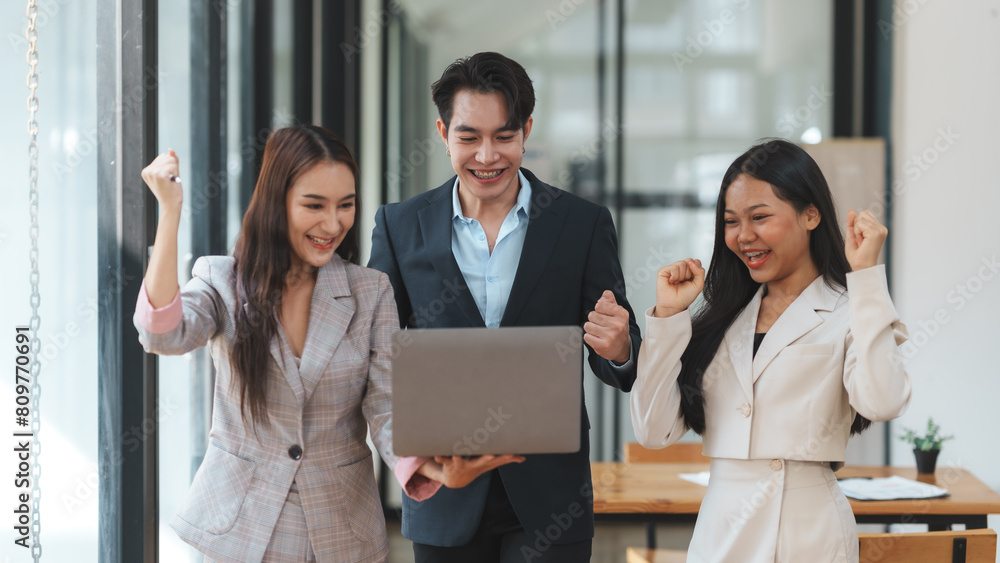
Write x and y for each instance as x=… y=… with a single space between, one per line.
x=295 y=452
x=745 y=409
x=776 y=464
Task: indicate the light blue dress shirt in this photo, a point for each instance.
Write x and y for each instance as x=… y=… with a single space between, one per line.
x=489 y=277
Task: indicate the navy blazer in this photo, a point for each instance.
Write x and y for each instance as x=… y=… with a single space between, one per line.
x=570 y=257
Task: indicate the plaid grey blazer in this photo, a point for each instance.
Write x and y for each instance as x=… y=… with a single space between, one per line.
x=318 y=412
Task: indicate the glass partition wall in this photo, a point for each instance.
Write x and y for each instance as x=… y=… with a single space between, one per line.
x=641 y=106
x=69 y=295
x=233 y=71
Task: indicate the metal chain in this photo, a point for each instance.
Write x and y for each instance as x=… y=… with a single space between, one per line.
x=36 y=444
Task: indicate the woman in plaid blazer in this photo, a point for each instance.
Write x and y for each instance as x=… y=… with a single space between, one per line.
x=300 y=337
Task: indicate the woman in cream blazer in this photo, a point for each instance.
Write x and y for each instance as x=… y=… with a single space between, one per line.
x=795 y=347
x=300 y=336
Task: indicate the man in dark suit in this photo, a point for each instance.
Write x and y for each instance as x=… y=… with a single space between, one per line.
x=495 y=246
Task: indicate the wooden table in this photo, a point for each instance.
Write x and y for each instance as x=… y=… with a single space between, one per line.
x=643 y=492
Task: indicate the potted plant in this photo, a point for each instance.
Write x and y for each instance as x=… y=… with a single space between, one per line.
x=926 y=446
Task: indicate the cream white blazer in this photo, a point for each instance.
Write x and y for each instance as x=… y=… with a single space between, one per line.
x=826 y=358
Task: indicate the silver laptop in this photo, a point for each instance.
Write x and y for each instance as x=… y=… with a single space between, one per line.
x=475 y=391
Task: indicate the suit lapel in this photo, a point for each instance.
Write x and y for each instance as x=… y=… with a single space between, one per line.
x=435 y=226
x=739 y=343
x=799 y=318
x=282 y=354
x=330 y=314
x=544 y=224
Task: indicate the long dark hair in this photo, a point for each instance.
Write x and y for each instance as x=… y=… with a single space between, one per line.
x=263 y=254
x=796 y=179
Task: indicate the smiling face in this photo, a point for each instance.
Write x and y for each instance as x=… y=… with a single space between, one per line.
x=768 y=234
x=320 y=206
x=484 y=153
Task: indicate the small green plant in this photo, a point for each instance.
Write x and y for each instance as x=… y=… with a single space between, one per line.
x=931 y=440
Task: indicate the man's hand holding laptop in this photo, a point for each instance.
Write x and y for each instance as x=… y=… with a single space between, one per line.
x=458 y=471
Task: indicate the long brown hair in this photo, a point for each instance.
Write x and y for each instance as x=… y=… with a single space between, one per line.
x=263 y=254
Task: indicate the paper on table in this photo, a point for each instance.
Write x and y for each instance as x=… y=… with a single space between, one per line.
x=889 y=488
x=697 y=478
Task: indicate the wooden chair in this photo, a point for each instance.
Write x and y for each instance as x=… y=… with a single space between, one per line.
x=964 y=546
x=681 y=452
x=640 y=555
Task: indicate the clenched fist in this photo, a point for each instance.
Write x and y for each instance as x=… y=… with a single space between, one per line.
x=159 y=176
x=677 y=286
x=865 y=237
x=606 y=329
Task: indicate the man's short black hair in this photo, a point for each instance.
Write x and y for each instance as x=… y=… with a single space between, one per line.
x=486 y=73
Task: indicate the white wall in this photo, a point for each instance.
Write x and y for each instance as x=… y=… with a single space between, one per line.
x=947 y=223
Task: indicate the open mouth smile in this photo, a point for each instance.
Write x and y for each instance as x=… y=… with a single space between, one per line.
x=487 y=174
x=756 y=258
x=321 y=243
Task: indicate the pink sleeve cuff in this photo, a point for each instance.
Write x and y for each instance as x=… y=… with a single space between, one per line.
x=158 y=321
x=415 y=485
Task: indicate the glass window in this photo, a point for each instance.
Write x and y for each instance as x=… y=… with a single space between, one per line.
x=67 y=246
x=701 y=81
x=732 y=72
x=182 y=441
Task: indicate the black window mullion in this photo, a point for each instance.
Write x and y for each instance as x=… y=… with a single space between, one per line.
x=340 y=80
x=302 y=60
x=876 y=120
x=616 y=445
x=207 y=184
x=207 y=187
x=844 y=68
x=256 y=89
x=127 y=378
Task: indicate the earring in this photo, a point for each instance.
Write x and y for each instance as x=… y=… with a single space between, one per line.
x=449 y=152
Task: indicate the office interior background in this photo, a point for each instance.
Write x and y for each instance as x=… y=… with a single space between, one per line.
x=641 y=106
